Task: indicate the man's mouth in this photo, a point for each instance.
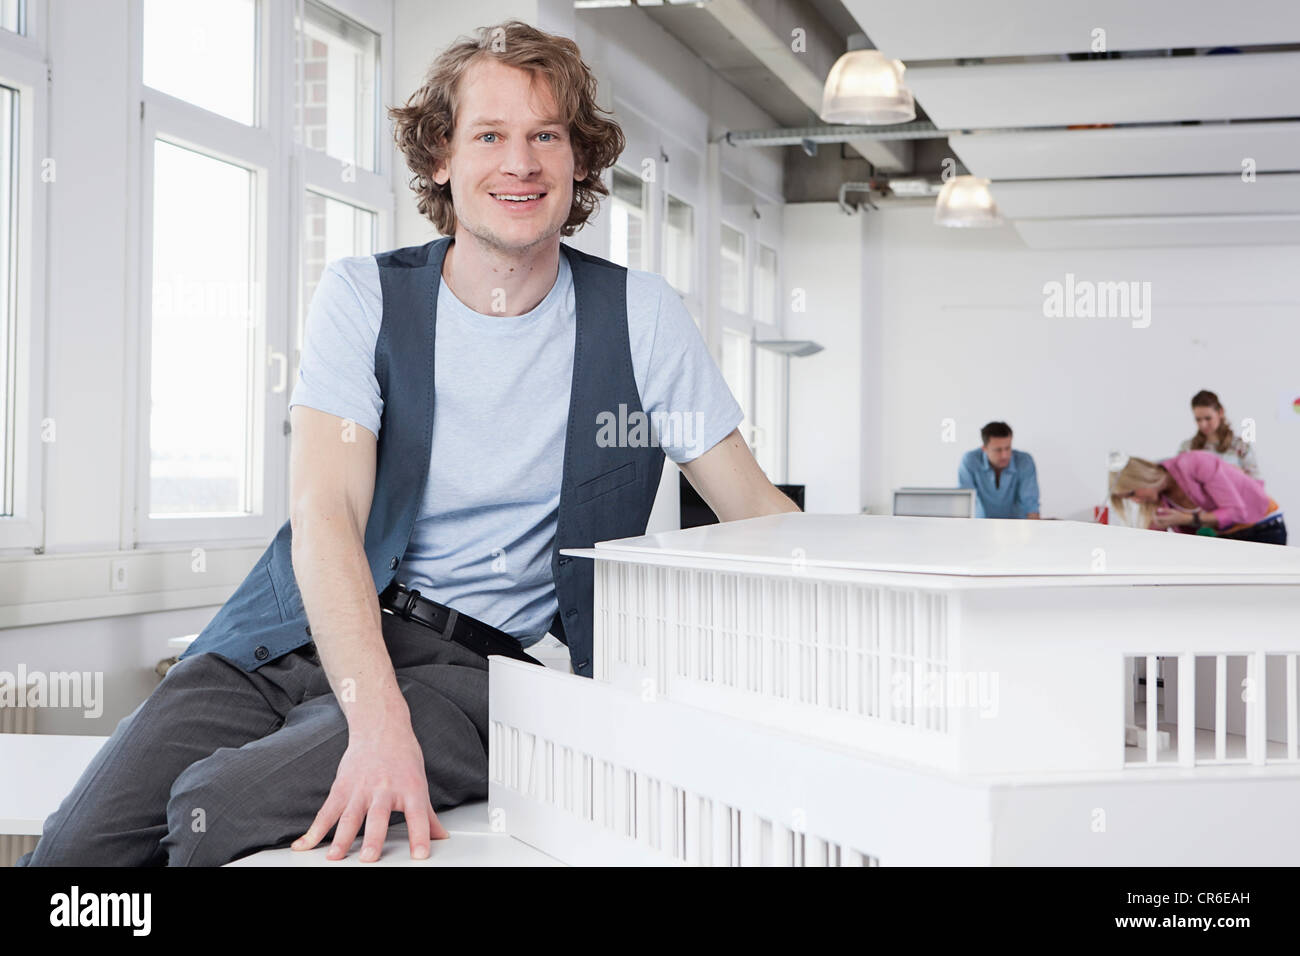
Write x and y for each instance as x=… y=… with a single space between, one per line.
x=519 y=200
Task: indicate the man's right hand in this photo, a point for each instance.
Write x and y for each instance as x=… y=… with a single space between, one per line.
x=381 y=771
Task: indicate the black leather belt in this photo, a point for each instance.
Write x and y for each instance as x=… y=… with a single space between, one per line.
x=469 y=632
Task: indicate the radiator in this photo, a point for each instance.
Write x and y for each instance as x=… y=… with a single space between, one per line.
x=19 y=719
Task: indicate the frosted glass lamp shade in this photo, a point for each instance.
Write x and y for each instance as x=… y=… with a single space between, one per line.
x=863 y=87
x=965 y=202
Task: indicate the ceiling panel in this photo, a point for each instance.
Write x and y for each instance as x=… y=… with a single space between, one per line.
x=1144 y=90
x=942 y=29
x=1172 y=150
x=1162 y=231
x=1157 y=196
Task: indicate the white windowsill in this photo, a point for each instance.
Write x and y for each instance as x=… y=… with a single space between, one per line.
x=50 y=588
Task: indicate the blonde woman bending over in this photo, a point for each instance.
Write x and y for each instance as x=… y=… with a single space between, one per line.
x=1197 y=490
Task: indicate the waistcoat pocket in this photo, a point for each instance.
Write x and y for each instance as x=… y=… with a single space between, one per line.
x=602 y=484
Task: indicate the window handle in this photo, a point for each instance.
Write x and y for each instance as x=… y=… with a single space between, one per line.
x=273 y=357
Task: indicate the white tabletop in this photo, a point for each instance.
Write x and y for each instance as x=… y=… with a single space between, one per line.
x=470 y=842
x=973 y=548
x=38 y=770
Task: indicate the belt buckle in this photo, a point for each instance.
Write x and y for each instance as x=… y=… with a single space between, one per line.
x=412 y=596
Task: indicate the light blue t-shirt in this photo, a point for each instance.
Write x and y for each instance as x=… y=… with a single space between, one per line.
x=483 y=539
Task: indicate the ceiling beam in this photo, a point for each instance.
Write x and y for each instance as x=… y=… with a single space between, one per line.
x=765 y=28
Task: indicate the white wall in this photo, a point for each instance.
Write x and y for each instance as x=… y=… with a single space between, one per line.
x=119 y=652
x=831 y=401
x=964 y=336
x=88 y=394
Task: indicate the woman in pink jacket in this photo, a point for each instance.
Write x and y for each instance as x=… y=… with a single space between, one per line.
x=1196 y=490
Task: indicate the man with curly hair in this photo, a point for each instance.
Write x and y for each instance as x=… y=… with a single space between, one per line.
x=461 y=416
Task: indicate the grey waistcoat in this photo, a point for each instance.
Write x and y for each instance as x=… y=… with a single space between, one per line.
x=605 y=492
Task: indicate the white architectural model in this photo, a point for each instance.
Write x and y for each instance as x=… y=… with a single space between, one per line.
x=859 y=690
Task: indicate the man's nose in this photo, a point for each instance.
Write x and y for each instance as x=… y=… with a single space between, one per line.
x=520 y=159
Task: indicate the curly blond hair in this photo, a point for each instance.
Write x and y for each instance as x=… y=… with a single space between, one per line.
x=423 y=127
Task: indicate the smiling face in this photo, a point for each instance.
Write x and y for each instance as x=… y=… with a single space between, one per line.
x=511 y=165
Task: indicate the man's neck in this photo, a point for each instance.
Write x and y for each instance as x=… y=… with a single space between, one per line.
x=493 y=282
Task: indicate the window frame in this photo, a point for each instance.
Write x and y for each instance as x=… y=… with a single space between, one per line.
x=365 y=15
x=648 y=227
x=782 y=426
x=259 y=149
x=761 y=431
x=760 y=246
x=669 y=196
x=284 y=170
x=744 y=314
x=317 y=171
x=24 y=68
x=675 y=180
x=758 y=231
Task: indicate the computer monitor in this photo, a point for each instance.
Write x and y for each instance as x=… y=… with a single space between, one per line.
x=935 y=502
x=695 y=512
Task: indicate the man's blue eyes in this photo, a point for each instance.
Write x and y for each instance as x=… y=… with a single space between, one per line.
x=553 y=136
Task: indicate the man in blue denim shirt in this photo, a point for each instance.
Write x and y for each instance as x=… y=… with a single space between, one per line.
x=1005 y=481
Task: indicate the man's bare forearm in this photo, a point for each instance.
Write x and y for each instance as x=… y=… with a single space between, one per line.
x=757 y=501
x=338 y=593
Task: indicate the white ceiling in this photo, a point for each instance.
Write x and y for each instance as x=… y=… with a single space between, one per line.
x=1149 y=90
x=1163 y=162
x=914 y=30
x=1130 y=151
x=1161 y=196
x=1118 y=233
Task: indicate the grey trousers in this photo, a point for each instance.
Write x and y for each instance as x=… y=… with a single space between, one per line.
x=218 y=763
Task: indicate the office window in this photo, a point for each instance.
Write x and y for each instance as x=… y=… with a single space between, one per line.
x=11 y=16
x=733 y=269
x=203 y=400
x=338 y=90
x=736 y=348
x=204 y=52
x=627 y=210
x=332 y=229
x=227 y=279
x=765 y=286
x=8 y=282
x=769 y=413
x=679 y=245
